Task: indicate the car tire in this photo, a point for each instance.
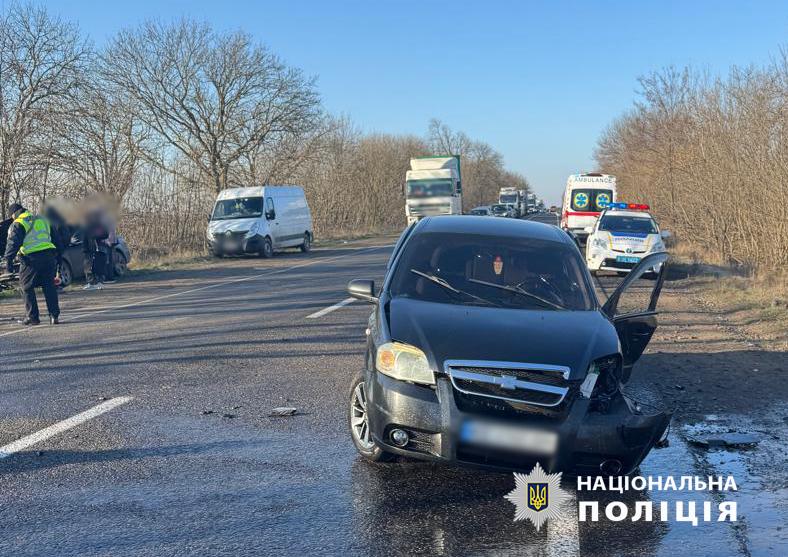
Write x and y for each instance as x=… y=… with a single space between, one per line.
x=66 y=274
x=267 y=251
x=120 y=263
x=358 y=422
x=307 y=245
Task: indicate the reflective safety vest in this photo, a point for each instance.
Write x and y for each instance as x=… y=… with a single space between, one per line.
x=38 y=233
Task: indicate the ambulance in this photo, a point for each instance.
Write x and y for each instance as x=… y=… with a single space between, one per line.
x=585 y=197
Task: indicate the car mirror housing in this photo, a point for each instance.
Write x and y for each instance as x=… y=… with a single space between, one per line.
x=665 y=234
x=362 y=289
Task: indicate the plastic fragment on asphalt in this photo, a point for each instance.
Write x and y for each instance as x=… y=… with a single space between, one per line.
x=283 y=411
x=725 y=440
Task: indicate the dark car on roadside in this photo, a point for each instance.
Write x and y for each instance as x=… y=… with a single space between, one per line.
x=73 y=264
x=488 y=346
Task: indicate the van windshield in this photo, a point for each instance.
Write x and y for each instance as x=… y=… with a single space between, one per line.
x=238 y=208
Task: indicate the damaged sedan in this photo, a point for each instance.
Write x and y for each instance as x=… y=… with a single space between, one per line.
x=488 y=346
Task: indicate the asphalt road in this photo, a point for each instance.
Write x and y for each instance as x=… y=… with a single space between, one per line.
x=191 y=463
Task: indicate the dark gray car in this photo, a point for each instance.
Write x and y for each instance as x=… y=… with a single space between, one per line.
x=73 y=259
x=487 y=346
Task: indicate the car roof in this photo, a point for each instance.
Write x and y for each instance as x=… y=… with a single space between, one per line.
x=492 y=226
x=641 y=214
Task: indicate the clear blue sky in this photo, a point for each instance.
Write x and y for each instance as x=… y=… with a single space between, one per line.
x=537 y=80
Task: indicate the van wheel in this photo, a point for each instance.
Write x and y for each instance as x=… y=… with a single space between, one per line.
x=358 y=420
x=307 y=245
x=268 y=248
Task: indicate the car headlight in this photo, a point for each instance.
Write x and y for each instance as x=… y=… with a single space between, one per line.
x=599 y=243
x=404 y=362
x=254 y=230
x=658 y=246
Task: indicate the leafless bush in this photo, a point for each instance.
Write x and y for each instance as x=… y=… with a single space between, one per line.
x=711 y=158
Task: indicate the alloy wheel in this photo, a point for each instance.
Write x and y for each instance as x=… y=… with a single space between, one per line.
x=359 y=420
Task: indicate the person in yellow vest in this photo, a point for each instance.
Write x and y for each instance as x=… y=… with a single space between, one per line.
x=30 y=236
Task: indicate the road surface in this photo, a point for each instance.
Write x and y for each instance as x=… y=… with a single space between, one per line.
x=177 y=454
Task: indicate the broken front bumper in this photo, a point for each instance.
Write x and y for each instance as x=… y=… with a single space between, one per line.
x=586 y=442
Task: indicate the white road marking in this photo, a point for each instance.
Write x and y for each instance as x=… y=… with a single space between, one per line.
x=329 y=309
x=60 y=427
x=201 y=288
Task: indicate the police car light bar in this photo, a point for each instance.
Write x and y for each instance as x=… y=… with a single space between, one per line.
x=631 y=206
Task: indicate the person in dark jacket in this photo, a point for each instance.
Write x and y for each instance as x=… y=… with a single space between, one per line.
x=95 y=234
x=30 y=237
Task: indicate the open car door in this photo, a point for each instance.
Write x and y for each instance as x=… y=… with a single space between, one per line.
x=636 y=327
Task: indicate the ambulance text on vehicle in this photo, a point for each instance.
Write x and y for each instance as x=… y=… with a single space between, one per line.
x=585 y=197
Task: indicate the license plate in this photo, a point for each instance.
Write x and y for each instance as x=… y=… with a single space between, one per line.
x=232 y=246
x=506 y=436
x=627 y=259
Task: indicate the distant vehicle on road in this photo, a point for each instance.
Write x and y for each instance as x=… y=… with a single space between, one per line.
x=585 y=197
x=623 y=235
x=487 y=346
x=433 y=186
x=73 y=266
x=501 y=210
x=483 y=211
x=260 y=220
x=515 y=198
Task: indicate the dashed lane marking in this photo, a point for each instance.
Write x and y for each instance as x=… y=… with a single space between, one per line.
x=60 y=427
x=329 y=309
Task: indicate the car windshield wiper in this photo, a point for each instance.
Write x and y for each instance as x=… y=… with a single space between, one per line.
x=518 y=290
x=445 y=284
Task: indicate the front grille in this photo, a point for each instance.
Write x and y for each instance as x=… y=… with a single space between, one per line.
x=533 y=384
x=511 y=389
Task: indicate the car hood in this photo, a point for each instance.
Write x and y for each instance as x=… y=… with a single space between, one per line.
x=456 y=332
x=232 y=225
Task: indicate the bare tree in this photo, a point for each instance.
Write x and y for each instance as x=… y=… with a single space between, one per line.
x=214 y=97
x=41 y=60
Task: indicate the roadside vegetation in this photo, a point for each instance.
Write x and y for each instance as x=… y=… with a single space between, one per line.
x=168 y=114
x=710 y=155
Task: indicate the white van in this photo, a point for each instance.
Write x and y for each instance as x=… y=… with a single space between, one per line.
x=260 y=220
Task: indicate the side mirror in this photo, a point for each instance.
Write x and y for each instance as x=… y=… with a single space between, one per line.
x=270 y=215
x=362 y=289
x=665 y=234
x=588 y=229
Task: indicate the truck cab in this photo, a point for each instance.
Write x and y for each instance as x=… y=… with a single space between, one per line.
x=433 y=187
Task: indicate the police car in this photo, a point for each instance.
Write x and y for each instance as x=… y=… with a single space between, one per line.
x=621 y=237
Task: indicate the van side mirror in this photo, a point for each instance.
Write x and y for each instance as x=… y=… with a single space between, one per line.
x=270 y=215
x=362 y=289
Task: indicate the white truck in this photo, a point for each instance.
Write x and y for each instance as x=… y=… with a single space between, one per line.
x=433 y=186
x=515 y=198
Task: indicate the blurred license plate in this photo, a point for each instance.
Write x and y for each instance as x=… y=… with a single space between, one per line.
x=232 y=246
x=627 y=259
x=507 y=436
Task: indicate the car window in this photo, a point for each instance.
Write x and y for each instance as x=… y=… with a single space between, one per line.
x=491 y=270
x=632 y=225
